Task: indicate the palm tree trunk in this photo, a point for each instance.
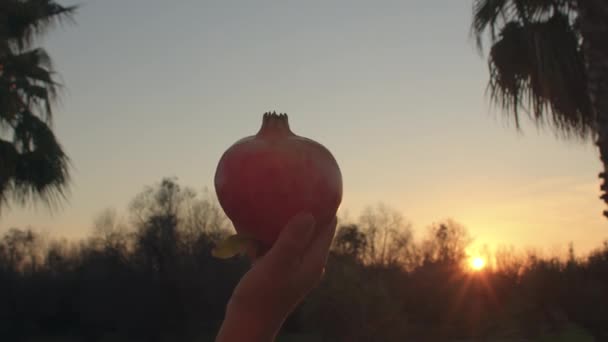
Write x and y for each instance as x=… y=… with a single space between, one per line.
x=594 y=29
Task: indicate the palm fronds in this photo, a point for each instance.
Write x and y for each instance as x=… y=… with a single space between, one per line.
x=535 y=62
x=24 y=20
x=33 y=165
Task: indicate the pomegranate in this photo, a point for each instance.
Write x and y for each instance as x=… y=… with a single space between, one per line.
x=264 y=180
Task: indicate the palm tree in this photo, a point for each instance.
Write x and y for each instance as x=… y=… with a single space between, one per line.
x=33 y=165
x=549 y=60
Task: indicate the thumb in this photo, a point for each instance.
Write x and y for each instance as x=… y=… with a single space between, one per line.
x=292 y=242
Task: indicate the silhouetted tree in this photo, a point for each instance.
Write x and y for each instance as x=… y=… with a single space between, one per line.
x=33 y=164
x=22 y=250
x=550 y=58
x=110 y=234
x=350 y=241
x=446 y=243
x=389 y=236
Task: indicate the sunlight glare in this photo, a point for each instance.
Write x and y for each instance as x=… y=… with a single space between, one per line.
x=478 y=263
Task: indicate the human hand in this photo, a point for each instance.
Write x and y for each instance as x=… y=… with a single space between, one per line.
x=277 y=281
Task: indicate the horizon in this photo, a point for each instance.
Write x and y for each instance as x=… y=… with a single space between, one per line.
x=397 y=94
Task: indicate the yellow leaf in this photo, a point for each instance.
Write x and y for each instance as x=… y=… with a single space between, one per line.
x=233 y=245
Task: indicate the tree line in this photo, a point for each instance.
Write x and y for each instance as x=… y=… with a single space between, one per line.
x=150 y=276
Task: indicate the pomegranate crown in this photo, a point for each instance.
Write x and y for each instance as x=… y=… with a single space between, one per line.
x=275 y=124
x=273 y=116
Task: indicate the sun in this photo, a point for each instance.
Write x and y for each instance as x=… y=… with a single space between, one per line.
x=477 y=263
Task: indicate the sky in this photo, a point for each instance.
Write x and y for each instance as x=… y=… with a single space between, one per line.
x=395 y=89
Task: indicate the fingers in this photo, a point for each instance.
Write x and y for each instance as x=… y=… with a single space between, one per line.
x=292 y=243
x=252 y=252
x=255 y=251
x=316 y=255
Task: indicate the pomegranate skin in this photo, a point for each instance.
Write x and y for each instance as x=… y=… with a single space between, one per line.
x=264 y=180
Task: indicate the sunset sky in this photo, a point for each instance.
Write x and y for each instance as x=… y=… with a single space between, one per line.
x=395 y=89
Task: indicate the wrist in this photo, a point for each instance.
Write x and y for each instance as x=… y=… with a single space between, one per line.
x=246 y=323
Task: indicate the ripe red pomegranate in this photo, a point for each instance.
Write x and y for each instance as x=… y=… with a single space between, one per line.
x=263 y=180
